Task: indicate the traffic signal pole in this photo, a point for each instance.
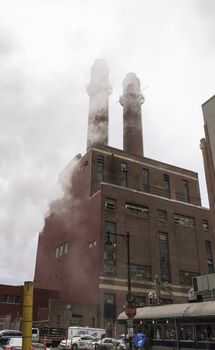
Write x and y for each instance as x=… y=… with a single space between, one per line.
x=126 y=238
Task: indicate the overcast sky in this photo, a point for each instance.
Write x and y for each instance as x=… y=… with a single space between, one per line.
x=47 y=48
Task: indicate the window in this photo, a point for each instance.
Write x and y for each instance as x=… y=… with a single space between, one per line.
x=145 y=180
x=166 y=186
x=77 y=320
x=205 y=225
x=164 y=257
x=110 y=249
x=57 y=252
x=209 y=256
x=61 y=249
x=169 y=330
x=185 y=277
x=92 y=244
x=137 y=209
x=110 y=227
x=11 y=299
x=110 y=203
x=161 y=214
x=124 y=174
x=141 y=272
x=65 y=248
x=186 y=332
x=100 y=170
x=186 y=191
x=110 y=307
x=184 y=220
x=140 y=301
x=205 y=332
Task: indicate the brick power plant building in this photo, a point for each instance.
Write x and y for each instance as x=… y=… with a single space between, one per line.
x=110 y=191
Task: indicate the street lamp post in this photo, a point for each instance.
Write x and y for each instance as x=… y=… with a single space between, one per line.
x=126 y=238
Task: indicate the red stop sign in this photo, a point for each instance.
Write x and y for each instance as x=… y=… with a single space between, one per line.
x=130 y=311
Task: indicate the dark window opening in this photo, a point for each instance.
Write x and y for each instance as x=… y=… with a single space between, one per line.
x=141 y=272
x=140 y=301
x=11 y=299
x=161 y=214
x=124 y=180
x=186 y=191
x=164 y=258
x=145 y=180
x=110 y=249
x=100 y=170
x=110 y=307
x=185 y=277
x=209 y=256
x=77 y=320
x=166 y=186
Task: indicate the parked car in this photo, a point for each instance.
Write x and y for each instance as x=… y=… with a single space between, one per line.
x=6 y=334
x=13 y=344
x=66 y=343
x=85 y=342
x=107 y=344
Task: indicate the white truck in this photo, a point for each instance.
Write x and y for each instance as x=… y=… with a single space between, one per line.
x=79 y=331
x=81 y=338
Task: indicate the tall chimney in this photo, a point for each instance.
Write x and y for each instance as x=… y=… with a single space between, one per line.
x=98 y=90
x=132 y=117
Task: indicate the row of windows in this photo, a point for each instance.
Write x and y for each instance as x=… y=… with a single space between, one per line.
x=61 y=249
x=11 y=299
x=167 y=331
x=166 y=191
x=143 y=272
x=141 y=210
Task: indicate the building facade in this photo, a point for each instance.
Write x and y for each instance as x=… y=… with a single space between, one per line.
x=11 y=305
x=208 y=149
x=108 y=192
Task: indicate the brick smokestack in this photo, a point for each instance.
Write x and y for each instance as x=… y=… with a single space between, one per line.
x=132 y=117
x=98 y=90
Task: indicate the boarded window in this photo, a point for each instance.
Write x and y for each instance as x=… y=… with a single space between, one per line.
x=184 y=220
x=136 y=209
x=110 y=203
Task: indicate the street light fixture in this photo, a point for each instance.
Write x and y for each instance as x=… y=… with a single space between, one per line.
x=108 y=244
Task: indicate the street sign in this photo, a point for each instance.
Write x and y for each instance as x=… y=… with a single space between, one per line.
x=140 y=339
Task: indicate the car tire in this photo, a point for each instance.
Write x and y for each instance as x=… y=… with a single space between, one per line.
x=74 y=347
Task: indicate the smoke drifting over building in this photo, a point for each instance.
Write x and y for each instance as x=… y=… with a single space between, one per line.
x=98 y=90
